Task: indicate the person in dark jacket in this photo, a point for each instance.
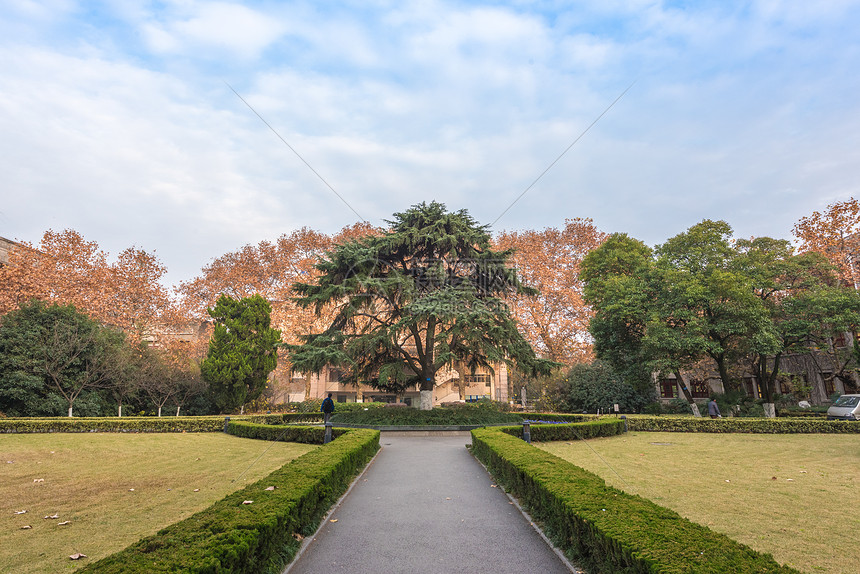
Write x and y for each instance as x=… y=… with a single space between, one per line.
x=714 y=409
x=327 y=407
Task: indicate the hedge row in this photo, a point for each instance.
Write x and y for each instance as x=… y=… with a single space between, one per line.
x=113 y=424
x=286 y=418
x=801 y=413
x=580 y=431
x=232 y=537
x=605 y=529
x=270 y=432
x=741 y=425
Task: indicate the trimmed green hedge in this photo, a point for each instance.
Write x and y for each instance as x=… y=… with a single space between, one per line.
x=113 y=424
x=580 y=431
x=802 y=413
x=287 y=418
x=232 y=537
x=741 y=425
x=605 y=529
x=291 y=433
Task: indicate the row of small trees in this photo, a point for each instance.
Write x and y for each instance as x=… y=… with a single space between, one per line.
x=54 y=358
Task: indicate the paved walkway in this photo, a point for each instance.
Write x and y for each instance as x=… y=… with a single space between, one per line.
x=426 y=505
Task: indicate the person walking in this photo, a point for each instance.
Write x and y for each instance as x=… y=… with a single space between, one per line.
x=714 y=409
x=327 y=407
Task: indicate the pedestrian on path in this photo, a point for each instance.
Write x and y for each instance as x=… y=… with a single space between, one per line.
x=714 y=409
x=327 y=407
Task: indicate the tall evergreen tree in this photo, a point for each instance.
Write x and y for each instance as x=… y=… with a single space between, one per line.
x=423 y=295
x=242 y=351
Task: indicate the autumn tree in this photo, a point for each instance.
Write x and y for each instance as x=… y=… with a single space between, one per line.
x=556 y=320
x=835 y=233
x=427 y=293
x=242 y=351
x=67 y=269
x=269 y=269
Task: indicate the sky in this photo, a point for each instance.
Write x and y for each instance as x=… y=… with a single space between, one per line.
x=119 y=119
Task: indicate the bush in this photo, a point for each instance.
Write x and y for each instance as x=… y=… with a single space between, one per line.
x=604 y=528
x=581 y=431
x=462 y=414
x=595 y=386
x=732 y=425
x=113 y=424
x=232 y=537
x=282 y=433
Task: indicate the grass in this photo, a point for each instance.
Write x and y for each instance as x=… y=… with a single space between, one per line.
x=88 y=480
x=792 y=496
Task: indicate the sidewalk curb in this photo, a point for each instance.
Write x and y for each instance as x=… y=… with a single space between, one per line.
x=574 y=569
x=310 y=539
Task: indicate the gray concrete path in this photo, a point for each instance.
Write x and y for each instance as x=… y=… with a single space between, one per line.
x=425 y=505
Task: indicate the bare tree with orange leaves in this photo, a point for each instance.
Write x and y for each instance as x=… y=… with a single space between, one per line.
x=556 y=321
x=835 y=233
x=67 y=269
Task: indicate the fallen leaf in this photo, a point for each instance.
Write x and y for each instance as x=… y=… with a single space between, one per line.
x=10 y=462
x=196 y=490
x=21 y=512
x=494 y=486
x=728 y=480
x=247 y=502
x=64 y=523
x=131 y=490
x=789 y=480
x=333 y=520
x=38 y=480
x=26 y=527
x=448 y=498
x=802 y=472
x=77 y=556
x=298 y=537
x=270 y=488
x=52 y=516
x=773 y=478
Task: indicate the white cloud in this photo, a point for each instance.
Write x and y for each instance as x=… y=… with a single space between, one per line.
x=198 y=27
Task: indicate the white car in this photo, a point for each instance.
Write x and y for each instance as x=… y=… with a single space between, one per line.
x=846 y=407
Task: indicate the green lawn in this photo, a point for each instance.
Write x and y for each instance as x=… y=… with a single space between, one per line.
x=793 y=496
x=114 y=488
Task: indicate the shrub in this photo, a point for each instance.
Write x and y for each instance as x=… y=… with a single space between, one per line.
x=232 y=537
x=464 y=414
x=113 y=424
x=604 y=528
x=595 y=386
x=730 y=425
x=550 y=432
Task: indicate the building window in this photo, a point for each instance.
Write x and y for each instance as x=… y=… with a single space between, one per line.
x=334 y=375
x=829 y=389
x=700 y=389
x=668 y=389
x=479 y=378
x=341 y=398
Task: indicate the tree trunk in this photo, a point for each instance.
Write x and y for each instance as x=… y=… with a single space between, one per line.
x=119 y=411
x=769 y=410
x=688 y=396
x=177 y=410
x=426 y=403
x=242 y=410
x=159 y=411
x=723 y=370
x=70 y=410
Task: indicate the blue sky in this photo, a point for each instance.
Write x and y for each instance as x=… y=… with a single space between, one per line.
x=117 y=120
